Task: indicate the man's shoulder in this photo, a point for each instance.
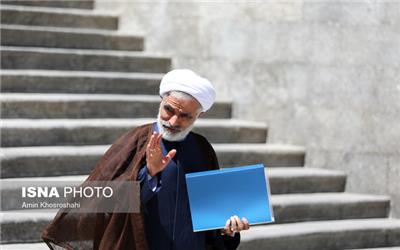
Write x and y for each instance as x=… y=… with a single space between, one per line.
x=143 y=129
x=208 y=150
x=137 y=133
x=200 y=138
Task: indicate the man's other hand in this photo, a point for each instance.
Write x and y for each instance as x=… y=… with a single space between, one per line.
x=235 y=224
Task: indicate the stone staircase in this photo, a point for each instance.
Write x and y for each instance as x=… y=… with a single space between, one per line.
x=71 y=85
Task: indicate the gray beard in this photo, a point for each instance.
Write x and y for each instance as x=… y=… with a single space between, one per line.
x=169 y=136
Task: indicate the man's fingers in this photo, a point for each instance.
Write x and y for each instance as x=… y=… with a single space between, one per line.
x=233 y=224
x=149 y=143
x=169 y=156
x=149 y=147
x=238 y=222
x=228 y=227
x=152 y=138
x=246 y=224
x=172 y=153
x=155 y=142
x=158 y=142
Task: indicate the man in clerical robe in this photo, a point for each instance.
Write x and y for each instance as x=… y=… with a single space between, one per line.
x=158 y=155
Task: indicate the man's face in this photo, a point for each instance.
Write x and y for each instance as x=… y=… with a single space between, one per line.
x=177 y=116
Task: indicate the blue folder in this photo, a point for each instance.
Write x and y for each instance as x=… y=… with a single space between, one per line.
x=216 y=195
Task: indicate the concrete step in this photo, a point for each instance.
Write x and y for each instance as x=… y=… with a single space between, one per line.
x=41 y=246
x=286 y=207
x=277 y=155
x=328 y=206
x=333 y=235
x=43 y=106
x=86 y=4
x=71 y=160
x=320 y=206
x=84 y=60
x=379 y=248
x=24 y=246
x=58 y=161
x=32 y=132
x=57 y=17
x=285 y=180
x=23 y=226
x=39 y=36
x=53 y=81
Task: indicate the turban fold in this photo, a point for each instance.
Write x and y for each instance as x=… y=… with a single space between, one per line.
x=187 y=81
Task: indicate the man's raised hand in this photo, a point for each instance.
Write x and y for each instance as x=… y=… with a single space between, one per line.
x=156 y=162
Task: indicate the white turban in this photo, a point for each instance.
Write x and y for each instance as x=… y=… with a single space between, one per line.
x=187 y=81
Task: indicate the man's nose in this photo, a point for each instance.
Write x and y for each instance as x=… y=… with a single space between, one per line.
x=174 y=120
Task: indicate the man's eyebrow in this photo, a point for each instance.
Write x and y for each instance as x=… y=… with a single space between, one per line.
x=180 y=113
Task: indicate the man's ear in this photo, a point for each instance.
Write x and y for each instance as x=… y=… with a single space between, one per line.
x=201 y=114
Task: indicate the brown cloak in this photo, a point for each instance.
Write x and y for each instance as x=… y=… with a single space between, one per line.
x=118 y=231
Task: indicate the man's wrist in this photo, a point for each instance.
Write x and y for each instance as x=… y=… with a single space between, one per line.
x=224 y=233
x=149 y=172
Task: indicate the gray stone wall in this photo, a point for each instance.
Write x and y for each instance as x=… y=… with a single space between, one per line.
x=324 y=74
